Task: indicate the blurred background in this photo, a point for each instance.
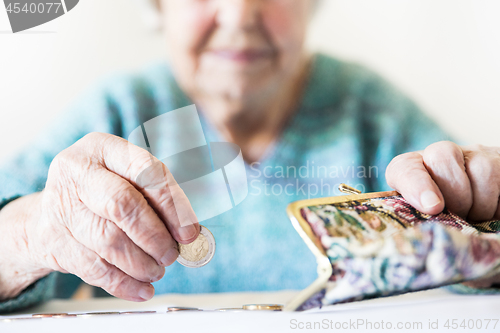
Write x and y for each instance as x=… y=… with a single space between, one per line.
x=443 y=53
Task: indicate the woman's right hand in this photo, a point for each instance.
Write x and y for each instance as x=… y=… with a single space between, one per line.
x=95 y=221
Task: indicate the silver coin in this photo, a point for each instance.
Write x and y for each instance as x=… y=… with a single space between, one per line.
x=8 y=320
x=94 y=314
x=182 y=308
x=199 y=252
x=137 y=312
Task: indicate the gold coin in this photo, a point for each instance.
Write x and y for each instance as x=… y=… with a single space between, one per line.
x=199 y=252
x=263 y=307
x=196 y=250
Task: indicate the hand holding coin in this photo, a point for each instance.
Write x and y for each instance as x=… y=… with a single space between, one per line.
x=199 y=252
x=110 y=227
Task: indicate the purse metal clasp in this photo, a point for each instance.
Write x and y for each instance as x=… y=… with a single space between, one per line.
x=348 y=190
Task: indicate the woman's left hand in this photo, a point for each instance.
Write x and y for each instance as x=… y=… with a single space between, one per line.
x=464 y=178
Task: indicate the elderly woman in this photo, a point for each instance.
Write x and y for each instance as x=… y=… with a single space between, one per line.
x=71 y=203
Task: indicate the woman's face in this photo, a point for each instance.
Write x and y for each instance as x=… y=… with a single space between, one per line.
x=235 y=49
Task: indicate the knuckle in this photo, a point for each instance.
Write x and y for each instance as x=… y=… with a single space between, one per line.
x=161 y=274
x=149 y=172
x=95 y=143
x=142 y=159
x=163 y=176
x=165 y=199
x=141 y=165
x=157 y=243
x=61 y=176
x=120 y=251
x=444 y=145
x=395 y=161
x=117 y=286
x=64 y=160
x=496 y=168
x=406 y=157
x=146 y=271
x=480 y=164
x=94 y=137
x=111 y=237
x=397 y=166
x=98 y=272
x=72 y=161
x=123 y=205
x=477 y=147
x=442 y=152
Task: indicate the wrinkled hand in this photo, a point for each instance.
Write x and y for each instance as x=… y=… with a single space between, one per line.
x=465 y=179
x=98 y=223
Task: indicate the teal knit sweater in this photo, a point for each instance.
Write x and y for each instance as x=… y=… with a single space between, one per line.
x=349 y=125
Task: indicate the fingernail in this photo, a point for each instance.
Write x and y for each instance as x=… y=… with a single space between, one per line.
x=187 y=232
x=429 y=199
x=146 y=293
x=169 y=257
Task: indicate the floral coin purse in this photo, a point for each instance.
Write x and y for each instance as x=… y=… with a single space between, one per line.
x=377 y=244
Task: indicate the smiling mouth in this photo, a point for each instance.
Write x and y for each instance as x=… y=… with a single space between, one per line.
x=243 y=56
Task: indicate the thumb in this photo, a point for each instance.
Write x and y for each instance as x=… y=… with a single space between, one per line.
x=407 y=174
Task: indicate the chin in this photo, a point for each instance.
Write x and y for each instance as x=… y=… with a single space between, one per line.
x=238 y=88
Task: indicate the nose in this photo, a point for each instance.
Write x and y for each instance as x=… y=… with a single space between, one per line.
x=239 y=14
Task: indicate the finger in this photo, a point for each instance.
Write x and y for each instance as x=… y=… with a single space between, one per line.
x=71 y=256
x=446 y=165
x=497 y=214
x=113 y=245
x=156 y=183
x=483 y=169
x=407 y=174
x=115 y=199
x=170 y=202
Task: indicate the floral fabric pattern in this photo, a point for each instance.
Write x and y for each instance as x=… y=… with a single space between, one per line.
x=384 y=246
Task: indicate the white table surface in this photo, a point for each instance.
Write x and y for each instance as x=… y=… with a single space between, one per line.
x=416 y=309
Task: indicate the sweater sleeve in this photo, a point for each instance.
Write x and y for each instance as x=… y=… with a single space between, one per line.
x=40 y=291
